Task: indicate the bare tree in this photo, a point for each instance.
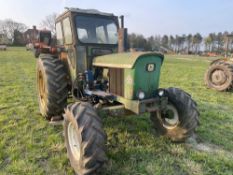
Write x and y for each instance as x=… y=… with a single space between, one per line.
x=49 y=23
x=9 y=26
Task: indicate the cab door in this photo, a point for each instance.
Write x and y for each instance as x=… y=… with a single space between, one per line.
x=65 y=39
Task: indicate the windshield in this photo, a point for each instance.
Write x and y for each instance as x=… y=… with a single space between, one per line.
x=96 y=30
x=45 y=37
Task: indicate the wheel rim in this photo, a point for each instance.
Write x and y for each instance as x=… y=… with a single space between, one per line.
x=41 y=88
x=218 y=77
x=170 y=117
x=73 y=141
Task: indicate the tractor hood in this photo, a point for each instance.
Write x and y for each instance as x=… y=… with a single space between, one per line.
x=131 y=73
x=124 y=60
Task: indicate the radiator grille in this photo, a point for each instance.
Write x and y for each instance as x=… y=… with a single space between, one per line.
x=116 y=81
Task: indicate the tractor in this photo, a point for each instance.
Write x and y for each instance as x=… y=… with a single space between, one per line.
x=91 y=71
x=43 y=43
x=219 y=75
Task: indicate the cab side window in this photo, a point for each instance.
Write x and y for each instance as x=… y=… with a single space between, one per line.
x=59 y=34
x=67 y=31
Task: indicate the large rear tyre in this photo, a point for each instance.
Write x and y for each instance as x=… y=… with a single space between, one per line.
x=51 y=86
x=219 y=76
x=180 y=119
x=85 y=139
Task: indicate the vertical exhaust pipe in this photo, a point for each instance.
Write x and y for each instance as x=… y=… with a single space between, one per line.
x=122 y=21
x=122 y=36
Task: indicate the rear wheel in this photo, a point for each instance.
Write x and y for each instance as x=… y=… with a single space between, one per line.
x=180 y=119
x=52 y=86
x=219 y=76
x=85 y=139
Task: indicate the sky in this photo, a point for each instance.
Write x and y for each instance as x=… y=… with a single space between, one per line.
x=147 y=17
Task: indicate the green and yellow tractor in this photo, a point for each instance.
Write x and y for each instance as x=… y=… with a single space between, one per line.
x=91 y=66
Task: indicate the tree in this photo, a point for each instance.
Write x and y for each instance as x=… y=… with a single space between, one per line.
x=18 y=38
x=165 y=41
x=151 y=43
x=179 y=40
x=9 y=27
x=189 y=42
x=49 y=23
x=140 y=42
x=208 y=43
x=213 y=38
x=196 y=41
x=220 y=42
x=172 y=43
x=183 y=43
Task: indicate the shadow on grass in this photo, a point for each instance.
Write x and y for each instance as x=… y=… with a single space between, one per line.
x=134 y=148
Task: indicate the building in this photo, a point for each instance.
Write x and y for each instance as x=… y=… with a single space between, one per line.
x=30 y=36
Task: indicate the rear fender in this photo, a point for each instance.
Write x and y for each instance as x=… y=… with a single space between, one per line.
x=218 y=60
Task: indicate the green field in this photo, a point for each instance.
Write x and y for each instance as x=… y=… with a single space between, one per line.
x=30 y=145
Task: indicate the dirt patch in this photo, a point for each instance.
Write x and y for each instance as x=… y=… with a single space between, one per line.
x=208 y=148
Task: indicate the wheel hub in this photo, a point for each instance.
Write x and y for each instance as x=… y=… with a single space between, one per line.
x=170 y=117
x=41 y=88
x=218 y=77
x=73 y=141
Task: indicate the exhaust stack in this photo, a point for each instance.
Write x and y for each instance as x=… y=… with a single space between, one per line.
x=122 y=36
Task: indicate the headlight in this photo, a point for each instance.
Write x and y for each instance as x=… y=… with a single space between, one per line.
x=161 y=92
x=141 y=95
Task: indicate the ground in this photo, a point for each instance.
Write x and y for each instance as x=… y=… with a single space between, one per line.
x=30 y=145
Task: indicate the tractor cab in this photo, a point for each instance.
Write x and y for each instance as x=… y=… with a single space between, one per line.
x=43 y=43
x=85 y=34
x=44 y=37
x=93 y=50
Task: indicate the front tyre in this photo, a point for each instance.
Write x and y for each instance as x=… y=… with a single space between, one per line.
x=84 y=138
x=180 y=119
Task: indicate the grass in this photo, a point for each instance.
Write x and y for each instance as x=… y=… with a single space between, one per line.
x=29 y=145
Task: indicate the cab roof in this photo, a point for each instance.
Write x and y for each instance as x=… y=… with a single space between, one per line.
x=85 y=11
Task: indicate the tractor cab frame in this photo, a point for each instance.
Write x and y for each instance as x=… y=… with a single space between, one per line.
x=85 y=34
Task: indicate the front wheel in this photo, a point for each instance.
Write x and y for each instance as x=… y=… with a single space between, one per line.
x=181 y=117
x=85 y=139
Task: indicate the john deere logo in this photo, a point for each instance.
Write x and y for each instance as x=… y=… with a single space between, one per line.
x=150 y=67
